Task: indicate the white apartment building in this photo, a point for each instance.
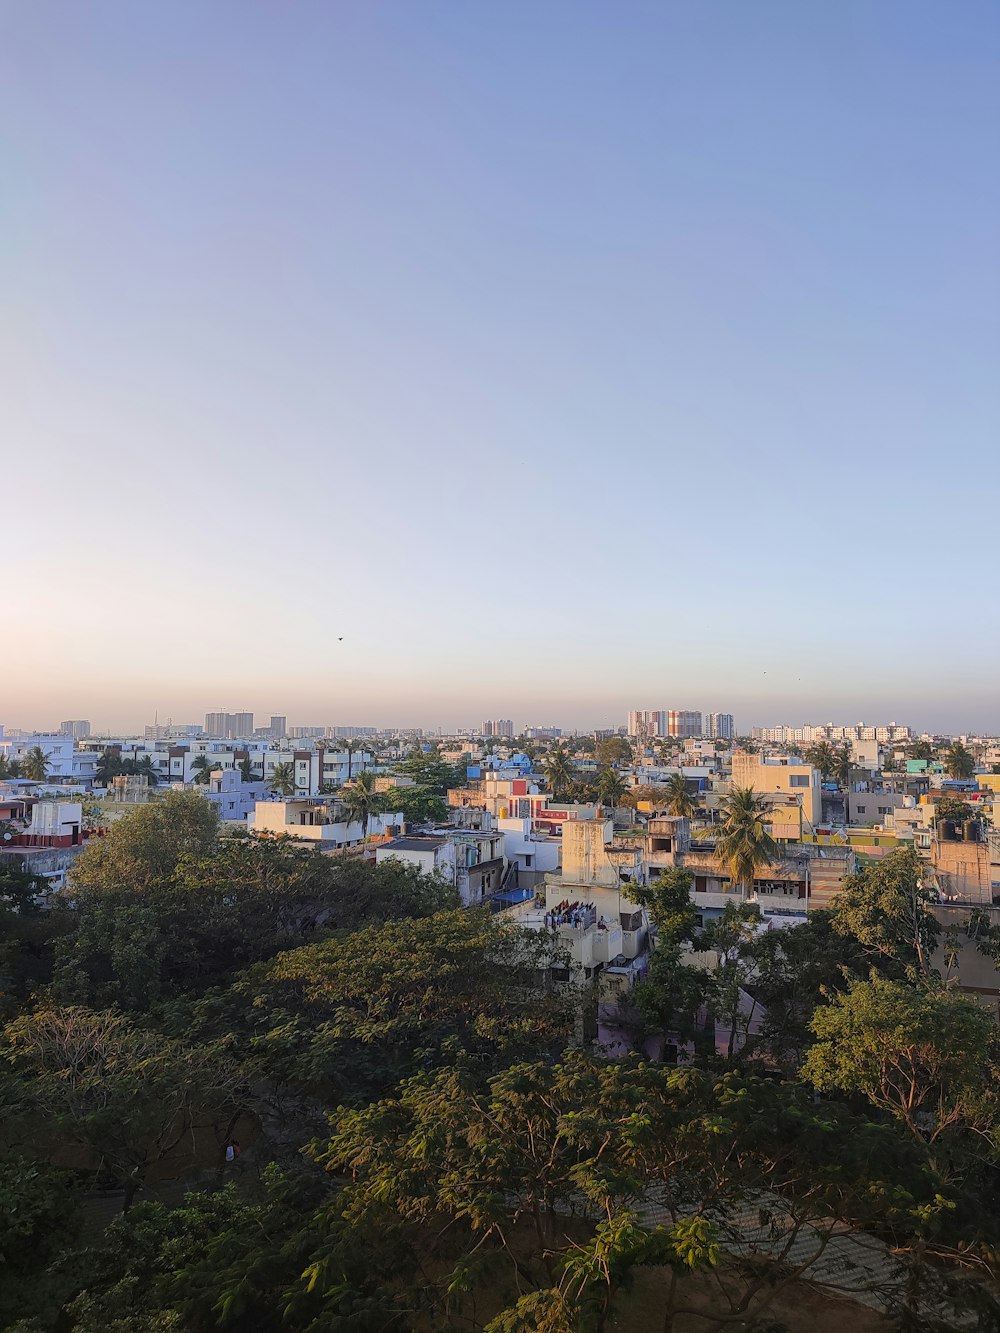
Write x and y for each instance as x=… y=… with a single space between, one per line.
x=65 y=762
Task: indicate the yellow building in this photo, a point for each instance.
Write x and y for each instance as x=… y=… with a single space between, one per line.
x=781 y=775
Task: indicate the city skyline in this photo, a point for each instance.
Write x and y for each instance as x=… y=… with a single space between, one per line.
x=134 y=726
x=662 y=344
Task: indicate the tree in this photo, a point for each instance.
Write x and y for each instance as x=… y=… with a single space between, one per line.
x=142 y=849
x=221 y=911
x=428 y=769
x=129 y=1097
x=612 y=750
x=145 y=768
x=886 y=908
x=922 y=750
x=360 y=801
x=558 y=771
x=283 y=779
x=612 y=787
x=823 y=755
x=679 y=798
x=202 y=766
x=951 y=808
x=38 y=1216
x=672 y=995
x=349 y=1017
x=417 y=805
x=958 y=761
x=35 y=764
x=246 y=769
x=745 y=844
x=733 y=936
x=108 y=766
x=926 y=1056
x=547 y=1170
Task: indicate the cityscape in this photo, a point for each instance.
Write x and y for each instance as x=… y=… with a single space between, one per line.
x=499 y=723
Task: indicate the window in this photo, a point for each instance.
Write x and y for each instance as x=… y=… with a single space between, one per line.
x=798 y=780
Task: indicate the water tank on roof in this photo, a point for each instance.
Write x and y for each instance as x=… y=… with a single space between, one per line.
x=971 y=830
x=946 y=830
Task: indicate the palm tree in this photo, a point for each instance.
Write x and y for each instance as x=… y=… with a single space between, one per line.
x=35 y=764
x=361 y=801
x=958 y=761
x=611 y=787
x=557 y=770
x=246 y=769
x=145 y=768
x=745 y=844
x=679 y=799
x=201 y=767
x=283 y=779
x=823 y=756
x=108 y=766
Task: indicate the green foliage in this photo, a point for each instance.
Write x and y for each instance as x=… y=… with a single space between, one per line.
x=612 y=750
x=679 y=799
x=242 y=900
x=123 y=1094
x=35 y=764
x=350 y=1016
x=429 y=770
x=833 y=761
x=558 y=771
x=418 y=805
x=142 y=849
x=282 y=780
x=745 y=845
x=885 y=908
x=38 y=1217
x=959 y=761
x=612 y=787
x=928 y=1057
x=951 y=807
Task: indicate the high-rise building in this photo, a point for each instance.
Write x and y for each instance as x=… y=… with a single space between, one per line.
x=503 y=726
x=79 y=730
x=305 y=733
x=720 y=726
x=683 y=724
x=278 y=728
x=229 y=726
x=646 y=724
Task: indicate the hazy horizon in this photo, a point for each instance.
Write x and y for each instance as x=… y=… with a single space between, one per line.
x=425 y=363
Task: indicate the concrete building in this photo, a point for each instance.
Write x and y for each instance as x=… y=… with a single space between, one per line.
x=278 y=728
x=470 y=859
x=229 y=726
x=235 y=800
x=644 y=725
x=683 y=723
x=720 y=726
x=503 y=726
x=869 y=804
x=960 y=856
x=319 y=822
x=781 y=775
x=535 y=855
x=66 y=764
x=79 y=730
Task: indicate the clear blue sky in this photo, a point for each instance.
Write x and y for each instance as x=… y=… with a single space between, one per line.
x=562 y=357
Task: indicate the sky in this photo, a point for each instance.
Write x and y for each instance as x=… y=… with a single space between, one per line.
x=417 y=362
